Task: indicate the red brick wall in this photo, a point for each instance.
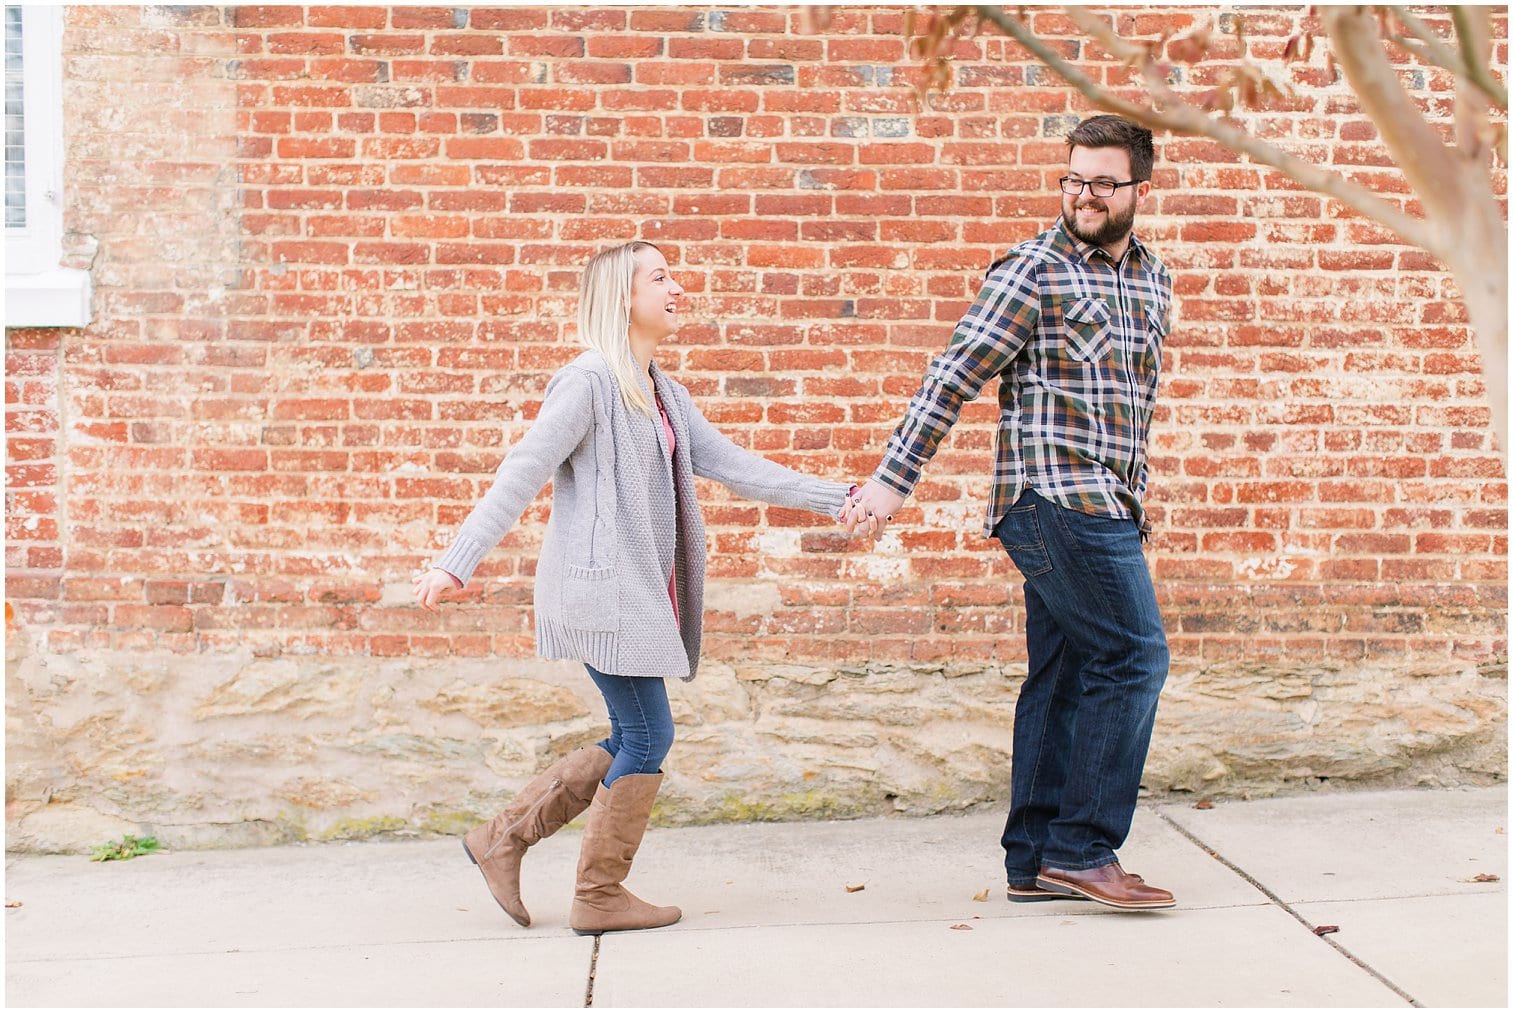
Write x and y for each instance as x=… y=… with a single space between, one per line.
x=335 y=255
x=34 y=556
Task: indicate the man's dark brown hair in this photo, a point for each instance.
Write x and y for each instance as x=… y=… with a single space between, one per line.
x=1117 y=132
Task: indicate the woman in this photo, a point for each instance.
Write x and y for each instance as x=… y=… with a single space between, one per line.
x=620 y=581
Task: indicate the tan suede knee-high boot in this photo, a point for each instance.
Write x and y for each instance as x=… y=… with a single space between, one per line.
x=616 y=822
x=553 y=799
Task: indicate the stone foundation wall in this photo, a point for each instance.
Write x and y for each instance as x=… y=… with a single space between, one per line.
x=240 y=750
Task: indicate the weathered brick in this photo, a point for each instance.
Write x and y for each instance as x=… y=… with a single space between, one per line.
x=326 y=309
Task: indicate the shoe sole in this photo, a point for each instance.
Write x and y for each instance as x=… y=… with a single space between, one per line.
x=1038 y=896
x=523 y=924
x=628 y=928
x=1069 y=890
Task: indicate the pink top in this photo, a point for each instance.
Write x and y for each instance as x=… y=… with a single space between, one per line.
x=672 y=444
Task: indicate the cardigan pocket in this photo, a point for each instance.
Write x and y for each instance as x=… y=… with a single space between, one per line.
x=590 y=598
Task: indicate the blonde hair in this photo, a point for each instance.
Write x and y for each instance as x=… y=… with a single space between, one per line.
x=604 y=317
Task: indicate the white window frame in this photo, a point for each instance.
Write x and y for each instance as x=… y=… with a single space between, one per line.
x=38 y=291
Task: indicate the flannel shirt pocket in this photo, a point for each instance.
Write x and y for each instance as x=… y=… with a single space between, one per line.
x=1088 y=334
x=1156 y=329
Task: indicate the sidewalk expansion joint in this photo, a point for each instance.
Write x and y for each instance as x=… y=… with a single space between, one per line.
x=593 y=968
x=1279 y=902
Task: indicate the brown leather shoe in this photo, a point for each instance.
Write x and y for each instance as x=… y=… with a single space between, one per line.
x=1030 y=893
x=1107 y=884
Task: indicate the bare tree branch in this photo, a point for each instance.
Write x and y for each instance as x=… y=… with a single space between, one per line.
x=1473 y=129
x=1474 y=55
x=1104 y=33
x=1183 y=118
x=1442 y=57
x=1433 y=170
x=1431 y=49
x=1424 y=54
x=1069 y=73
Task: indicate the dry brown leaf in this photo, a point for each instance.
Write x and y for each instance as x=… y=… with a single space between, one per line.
x=1324 y=930
x=857 y=888
x=1299 y=47
x=1190 y=48
x=816 y=19
x=981 y=896
x=962 y=926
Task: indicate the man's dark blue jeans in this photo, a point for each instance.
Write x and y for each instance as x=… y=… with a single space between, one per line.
x=1097 y=662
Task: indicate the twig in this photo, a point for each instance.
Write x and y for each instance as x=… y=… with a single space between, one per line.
x=1433 y=48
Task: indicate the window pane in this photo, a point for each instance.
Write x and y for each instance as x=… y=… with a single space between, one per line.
x=15 y=125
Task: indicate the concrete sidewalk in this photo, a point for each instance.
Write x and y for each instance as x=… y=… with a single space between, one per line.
x=768 y=920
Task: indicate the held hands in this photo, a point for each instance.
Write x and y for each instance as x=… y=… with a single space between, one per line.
x=870 y=509
x=429 y=585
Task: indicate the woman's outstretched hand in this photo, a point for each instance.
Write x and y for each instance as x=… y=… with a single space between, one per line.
x=870 y=509
x=429 y=585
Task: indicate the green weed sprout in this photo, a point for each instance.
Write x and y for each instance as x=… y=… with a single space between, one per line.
x=127 y=847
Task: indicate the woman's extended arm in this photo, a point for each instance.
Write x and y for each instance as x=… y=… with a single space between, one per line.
x=566 y=417
x=714 y=456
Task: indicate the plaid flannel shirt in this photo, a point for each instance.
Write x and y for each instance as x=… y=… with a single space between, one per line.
x=1074 y=340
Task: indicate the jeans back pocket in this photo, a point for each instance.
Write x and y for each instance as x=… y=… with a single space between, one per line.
x=1019 y=531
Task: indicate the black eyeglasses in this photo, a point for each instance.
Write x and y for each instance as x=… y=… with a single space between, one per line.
x=1072 y=186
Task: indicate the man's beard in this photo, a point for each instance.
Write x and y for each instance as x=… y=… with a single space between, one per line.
x=1114 y=228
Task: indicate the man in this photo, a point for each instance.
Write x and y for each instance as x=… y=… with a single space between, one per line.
x=1070 y=323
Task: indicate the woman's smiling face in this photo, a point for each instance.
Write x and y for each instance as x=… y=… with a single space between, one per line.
x=654 y=297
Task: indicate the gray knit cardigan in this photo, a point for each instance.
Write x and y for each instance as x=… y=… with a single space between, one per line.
x=623 y=517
